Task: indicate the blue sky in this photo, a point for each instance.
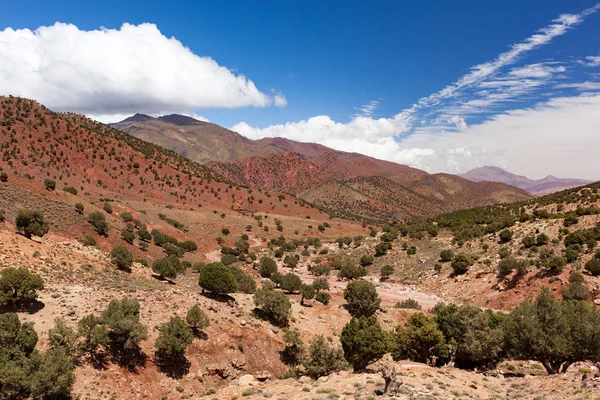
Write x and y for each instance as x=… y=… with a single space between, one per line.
x=313 y=66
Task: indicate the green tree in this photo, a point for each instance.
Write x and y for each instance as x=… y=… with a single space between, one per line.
x=275 y=305
x=320 y=284
x=122 y=257
x=196 y=318
x=362 y=298
x=418 y=340
x=127 y=236
x=98 y=221
x=461 y=264
x=125 y=332
x=290 y=261
x=126 y=216
x=62 y=336
x=366 y=260
x=446 y=255
x=17 y=343
x=18 y=286
x=168 y=267
x=53 y=375
x=3 y=177
x=364 y=342
x=49 y=184
x=593 y=266
x=217 y=279
x=94 y=334
x=79 y=207
x=386 y=271
x=107 y=207
x=245 y=282
x=351 y=271
x=307 y=292
x=291 y=283
x=31 y=222
x=577 y=289
x=294 y=349
x=267 y=267
x=323 y=297
x=505 y=236
x=322 y=359
x=173 y=339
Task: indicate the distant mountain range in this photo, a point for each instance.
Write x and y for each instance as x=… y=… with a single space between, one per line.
x=537 y=187
x=345 y=184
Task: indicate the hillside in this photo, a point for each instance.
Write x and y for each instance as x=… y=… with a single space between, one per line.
x=537 y=187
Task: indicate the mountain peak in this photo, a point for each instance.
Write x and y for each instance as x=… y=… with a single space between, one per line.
x=182 y=120
x=138 y=118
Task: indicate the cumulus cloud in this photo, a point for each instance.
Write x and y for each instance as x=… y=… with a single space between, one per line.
x=591 y=61
x=118 y=71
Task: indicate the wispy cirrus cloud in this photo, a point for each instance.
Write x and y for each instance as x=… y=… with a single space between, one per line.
x=368 y=109
x=591 y=61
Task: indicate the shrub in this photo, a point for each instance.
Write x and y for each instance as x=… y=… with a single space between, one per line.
x=555 y=334
x=225 y=231
x=189 y=246
x=173 y=339
x=320 y=270
x=294 y=349
x=307 y=292
x=528 y=241
x=351 y=271
x=79 y=207
x=542 y=239
x=320 y=284
x=593 y=266
x=275 y=305
x=362 y=298
x=171 y=249
x=52 y=376
x=31 y=222
x=168 y=267
x=122 y=257
x=228 y=259
x=3 y=177
x=94 y=334
x=127 y=236
x=386 y=271
x=366 y=260
x=418 y=339
x=461 y=263
x=577 y=289
x=98 y=221
x=381 y=249
x=557 y=263
x=408 y=304
x=322 y=359
x=70 y=189
x=364 y=342
x=196 y=318
x=18 y=286
x=126 y=216
x=61 y=336
x=245 y=283
x=125 y=332
x=323 y=297
x=267 y=267
x=291 y=283
x=506 y=266
x=49 y=184
x=217 y=279
x=89 y=241
x=144 y=235
x=446 y=255
x=505 y=236
x=107 y=207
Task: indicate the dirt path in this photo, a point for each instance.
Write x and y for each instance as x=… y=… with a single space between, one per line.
x=390 y=292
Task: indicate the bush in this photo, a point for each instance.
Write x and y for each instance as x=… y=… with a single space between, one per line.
x=362 y=298
x=122 y=257
x=173 y=339
x=275 y=305
x=291 y=283
x=556 y=264
x=381 y=249
x=461 y=263
x=107 y=207
x=228 y=259
x=79 y=208
x=542 y=239
x=593 y=266
x=61 y=336
x=364 y=342
x=351 y=271
x=446 y=255
x=418 y=340
x=89 y=241
x=322 y=359
x=267 y=267
x=577 y=289
x=291 y=261
x=126 y=216
x=555 y=334
x=366 y=260
x=217 y=279
x=196 y=318
x=127 y=236
x=125 y=332
x=3 y=177
x=53 y=375
x=225 y=231
x=98 y=221
x=528 y=241
x=18 y=286
x=386 y=271
x=505 y=236
x=168 y=267
x=245 y=283
x=189 y=246
x=323 y=297
x=408 y=304
x=49 y=184
x=320 y=284
x=307 y=292
x=144 y=235
x=294 y=349
x=320 y=270
x=94 y=334
x=31 y=222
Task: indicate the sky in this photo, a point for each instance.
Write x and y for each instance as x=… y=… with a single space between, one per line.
x=441 y=86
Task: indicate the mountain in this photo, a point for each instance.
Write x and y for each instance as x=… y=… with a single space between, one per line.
x=196 y=140
x=547 y=185
x=345 y=184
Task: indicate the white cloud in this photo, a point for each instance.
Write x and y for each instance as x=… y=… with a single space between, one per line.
x=118 y=71
x=585 y=86
x=367 y=110
x=591 y=61
x=539 y=70
x=458 y=121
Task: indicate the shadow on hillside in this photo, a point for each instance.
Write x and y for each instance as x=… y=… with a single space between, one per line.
x=221 y=298
x=129 y=358
x=199 y=334
x=163 y=279
x=29 y=308
x=176 y=368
